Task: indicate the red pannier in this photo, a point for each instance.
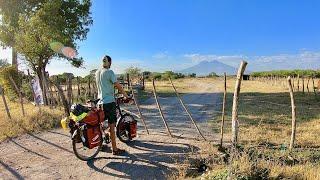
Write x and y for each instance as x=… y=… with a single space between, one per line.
x=132 y=128
x=93 y=136
x=92 y=132
x=94 y=117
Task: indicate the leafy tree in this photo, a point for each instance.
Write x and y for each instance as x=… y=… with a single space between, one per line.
x=192 y=75
x=156 y=75
x=285 y=73
x=34 y=24
x=212 y=74
x=10 y=12
x=133 y=72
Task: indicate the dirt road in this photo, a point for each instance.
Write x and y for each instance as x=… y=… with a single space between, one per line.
x=49 y=154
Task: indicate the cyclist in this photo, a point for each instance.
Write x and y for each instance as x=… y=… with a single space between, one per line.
x=106 y=81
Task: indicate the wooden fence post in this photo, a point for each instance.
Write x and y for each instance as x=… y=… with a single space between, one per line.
x=89 y=87
x=292 y=83
x=313 y=87
x=143 y=76
x=138 y=108
x=235 y=121
x=223 y=109
x=5 y=102
x=159 y=107
x=128 y=80
x=49 y=90
x=19 y=93
x=293 y=109
x=302 y=78
x=298 y=82
x=78 y=85
x=186 y=109
x=63 y=98
x=69 y=89
x=308 y=84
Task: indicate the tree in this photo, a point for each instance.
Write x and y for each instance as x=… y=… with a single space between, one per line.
x=192 y=75
x=42 y=22
x=133 y=72
x=9 y=26
x=212 y=74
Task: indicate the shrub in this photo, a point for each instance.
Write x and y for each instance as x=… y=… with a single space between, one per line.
x=5 y=73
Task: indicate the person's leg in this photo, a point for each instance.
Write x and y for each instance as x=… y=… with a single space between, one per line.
x=113 y=136
x=112 y=119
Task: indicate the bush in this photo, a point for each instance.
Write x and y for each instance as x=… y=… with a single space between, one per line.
x=5 y=73
x=285 y=73
x=212 y=74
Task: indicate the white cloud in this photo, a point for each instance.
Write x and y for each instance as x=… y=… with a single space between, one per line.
x=161 y=55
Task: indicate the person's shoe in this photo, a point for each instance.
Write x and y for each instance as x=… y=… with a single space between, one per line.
x=118 y=152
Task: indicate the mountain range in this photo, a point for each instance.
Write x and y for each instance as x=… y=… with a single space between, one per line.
x=207 y=67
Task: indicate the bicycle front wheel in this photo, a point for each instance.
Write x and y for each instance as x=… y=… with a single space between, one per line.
x=84 y=153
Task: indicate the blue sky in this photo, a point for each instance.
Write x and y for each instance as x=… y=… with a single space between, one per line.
x=160 y=35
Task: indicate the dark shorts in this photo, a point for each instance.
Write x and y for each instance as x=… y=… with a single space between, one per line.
x=110 y=112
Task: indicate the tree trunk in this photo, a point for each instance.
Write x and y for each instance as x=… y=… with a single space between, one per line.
x=14 y=58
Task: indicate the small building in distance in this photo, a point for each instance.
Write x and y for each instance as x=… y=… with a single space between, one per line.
x=246 y=77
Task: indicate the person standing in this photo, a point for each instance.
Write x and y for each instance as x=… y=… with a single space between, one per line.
x=106 y=82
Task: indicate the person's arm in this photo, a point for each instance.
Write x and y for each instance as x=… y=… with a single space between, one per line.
x=121 y=90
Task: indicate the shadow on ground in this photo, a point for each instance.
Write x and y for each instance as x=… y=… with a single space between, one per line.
x=150 y=162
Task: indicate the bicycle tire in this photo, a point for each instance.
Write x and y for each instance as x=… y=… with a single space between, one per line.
x=81 y=157
x=122 y=132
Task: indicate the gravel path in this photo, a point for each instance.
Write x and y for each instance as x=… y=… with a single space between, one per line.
x=155 y=156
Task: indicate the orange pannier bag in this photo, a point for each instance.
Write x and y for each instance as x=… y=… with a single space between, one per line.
x=94 y=117
x=92 y=132
x=93 y=136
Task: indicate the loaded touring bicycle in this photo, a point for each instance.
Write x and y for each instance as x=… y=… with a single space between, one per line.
x=88 y=128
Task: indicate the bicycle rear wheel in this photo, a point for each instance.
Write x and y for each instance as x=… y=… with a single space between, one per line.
x=84 y=153
x=122 y=131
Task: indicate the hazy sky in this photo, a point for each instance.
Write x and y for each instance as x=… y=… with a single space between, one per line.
x=175 y=34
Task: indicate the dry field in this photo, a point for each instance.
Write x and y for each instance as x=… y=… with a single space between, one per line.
x=34 y=120
x=265 y=127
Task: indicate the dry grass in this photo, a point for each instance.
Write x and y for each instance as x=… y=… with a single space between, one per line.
x=34 y=120
x=265 y=122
